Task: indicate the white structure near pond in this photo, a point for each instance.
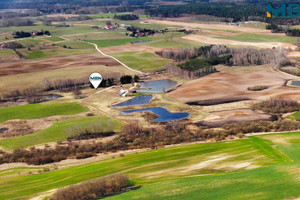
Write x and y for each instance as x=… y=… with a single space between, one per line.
x=123 y=92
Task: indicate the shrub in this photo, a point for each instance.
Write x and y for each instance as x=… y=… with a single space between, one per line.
x=258 y=88
x=278 y=105
x=94 y=189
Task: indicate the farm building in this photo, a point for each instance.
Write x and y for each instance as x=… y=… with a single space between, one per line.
x=3 y=46
x=111 y=26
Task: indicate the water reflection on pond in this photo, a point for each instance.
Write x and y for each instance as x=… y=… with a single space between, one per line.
x=157 y=86
x=139 y=100
x=164 y=114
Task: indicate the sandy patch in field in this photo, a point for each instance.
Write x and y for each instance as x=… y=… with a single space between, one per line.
x=228 y=87
x=219 y=32
x=130 y=48
x=44 y=195
x=36 y=65
x=294 y=54
x=67 y=16
x=221 y=26
x=211 y=161
x=210 y=40
x=281 y=140
x=220 y=118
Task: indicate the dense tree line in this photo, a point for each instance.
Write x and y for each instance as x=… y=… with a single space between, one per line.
x=293 y=32
x=135 y=31
x=127 y=17
x=275 y=28
x=237 y=12
x=278 y=105
x=16 y=22
x=241 y=56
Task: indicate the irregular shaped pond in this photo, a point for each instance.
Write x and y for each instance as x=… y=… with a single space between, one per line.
x=295 y=83
x=157 y=86
x=49 y=97
x=139 y=100
x=164 y=114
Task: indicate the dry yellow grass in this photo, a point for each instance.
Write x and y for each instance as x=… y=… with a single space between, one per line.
x=26 y=80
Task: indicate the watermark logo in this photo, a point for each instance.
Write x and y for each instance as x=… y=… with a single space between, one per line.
x=285 y=10
x=95 y=79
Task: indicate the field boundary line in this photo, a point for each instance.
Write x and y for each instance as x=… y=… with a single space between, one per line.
x=106 y=55
x=97 y=48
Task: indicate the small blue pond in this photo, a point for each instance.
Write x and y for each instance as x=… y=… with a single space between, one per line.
x=139 y=100
x=295 y=83
x=164 y=114
x=158 y=86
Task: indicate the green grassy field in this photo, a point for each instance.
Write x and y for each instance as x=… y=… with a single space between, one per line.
x=295 y=116
x=32 y=111
x=55 y=51
x=76 y=45
x=54 y=39
x=56 y=132
x=5 y=52
x=253 y=37
x=144 y=61
x=251 y=168
x=117 y=42
x=29 y=42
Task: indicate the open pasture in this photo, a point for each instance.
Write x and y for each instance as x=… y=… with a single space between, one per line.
x=32 y=111
x=143 y=61
x=254 y=166
x=57 y=132
x=36 y=77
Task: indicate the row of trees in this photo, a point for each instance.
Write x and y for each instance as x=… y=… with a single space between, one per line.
x=35 y=94
x=126 y=17
x=137 y=31
x=278 y=105
x=135 y=137
x=47 y=21
x=225 y=10
x=23 y=34
x=16 y=22
x=242 y=56
x=280 y=29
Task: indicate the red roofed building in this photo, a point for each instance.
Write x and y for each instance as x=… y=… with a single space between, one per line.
x=111 y=26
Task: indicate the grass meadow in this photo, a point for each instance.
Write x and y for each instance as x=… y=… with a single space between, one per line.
x=254 y=37
x=118 y=42
x=34 y=79
x=144 y=61
x=252 y=168
x=33 y=111
x=295 y=116
x=57 y=132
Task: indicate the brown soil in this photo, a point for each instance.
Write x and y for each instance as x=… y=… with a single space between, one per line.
x=220 y=118
x=226 y=87
x=25 y=66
